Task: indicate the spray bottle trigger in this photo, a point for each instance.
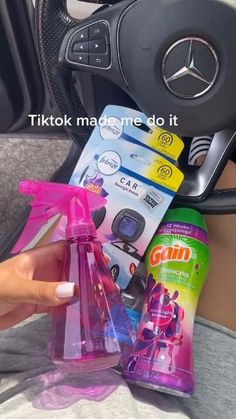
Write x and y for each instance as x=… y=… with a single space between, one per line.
x=36 y=220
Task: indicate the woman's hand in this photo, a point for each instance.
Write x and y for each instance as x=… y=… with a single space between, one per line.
x=30 y=283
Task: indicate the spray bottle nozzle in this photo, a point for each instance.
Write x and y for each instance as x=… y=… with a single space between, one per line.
x=51 y=199
x=28 y=187
x=79 y=222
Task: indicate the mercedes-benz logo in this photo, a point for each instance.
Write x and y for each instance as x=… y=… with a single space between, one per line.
x=190 y=67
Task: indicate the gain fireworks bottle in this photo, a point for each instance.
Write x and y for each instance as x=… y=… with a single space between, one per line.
x=177 y=263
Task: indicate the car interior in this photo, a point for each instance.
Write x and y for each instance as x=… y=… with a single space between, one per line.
x=41 y=73
x=73 y=58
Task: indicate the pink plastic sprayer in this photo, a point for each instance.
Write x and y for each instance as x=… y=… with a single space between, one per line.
x=83 y=335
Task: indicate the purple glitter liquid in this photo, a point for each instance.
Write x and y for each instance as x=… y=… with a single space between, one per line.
x=83 y=335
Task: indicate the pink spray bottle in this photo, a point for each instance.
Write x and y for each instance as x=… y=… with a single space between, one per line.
x=83 y=335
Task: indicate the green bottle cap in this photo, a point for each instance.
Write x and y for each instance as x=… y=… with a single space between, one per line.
x=186 y=215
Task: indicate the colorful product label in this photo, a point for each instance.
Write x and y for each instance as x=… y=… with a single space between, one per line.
x=139 y=186
x=177 y=264
x=166 y=143
x=120 y=124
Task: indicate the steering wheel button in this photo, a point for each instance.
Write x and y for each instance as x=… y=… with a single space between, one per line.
x=97 y=60
x=80 y=47
x=97 y=46
x=98 y=30
x=82 y=58
x=82 y=35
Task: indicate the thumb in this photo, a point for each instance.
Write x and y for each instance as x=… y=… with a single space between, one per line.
x=37 y=292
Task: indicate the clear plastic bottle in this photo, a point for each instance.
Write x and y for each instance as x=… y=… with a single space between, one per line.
x=93 y=330
x=83 y=333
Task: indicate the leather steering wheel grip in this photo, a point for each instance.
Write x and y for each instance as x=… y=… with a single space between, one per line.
x=52 y=24
x=219 y=202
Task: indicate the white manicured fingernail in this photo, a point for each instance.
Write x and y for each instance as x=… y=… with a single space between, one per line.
x=65 y=290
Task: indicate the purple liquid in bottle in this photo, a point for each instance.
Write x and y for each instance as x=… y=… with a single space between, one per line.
x=83 y=333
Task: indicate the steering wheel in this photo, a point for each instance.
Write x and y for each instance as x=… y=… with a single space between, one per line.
x=175 y=57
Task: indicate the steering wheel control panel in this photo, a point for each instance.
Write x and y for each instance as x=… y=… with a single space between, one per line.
x=90 y=46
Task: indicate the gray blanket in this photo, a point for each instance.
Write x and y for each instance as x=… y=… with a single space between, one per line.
x=31 y=388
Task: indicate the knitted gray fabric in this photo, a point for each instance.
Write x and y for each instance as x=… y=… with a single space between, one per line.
x=31 y=388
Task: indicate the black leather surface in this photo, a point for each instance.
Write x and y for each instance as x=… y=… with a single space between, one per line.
x=52 y=24
x=219 y=202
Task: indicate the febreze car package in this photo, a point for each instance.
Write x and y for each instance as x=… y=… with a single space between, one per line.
x=118 y=123
x=139 y=185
